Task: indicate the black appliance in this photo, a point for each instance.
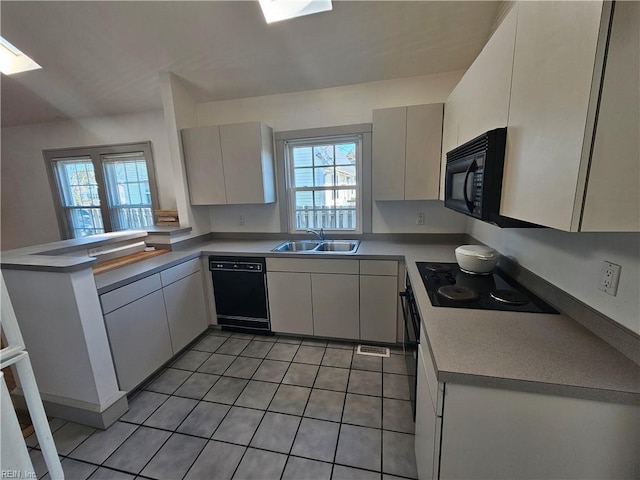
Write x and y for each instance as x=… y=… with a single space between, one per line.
x=448 y=286
x=411 y=338
x=473 y=178
x=240 y=291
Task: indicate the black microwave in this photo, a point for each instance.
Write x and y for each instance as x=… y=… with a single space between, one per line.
x=473 y=178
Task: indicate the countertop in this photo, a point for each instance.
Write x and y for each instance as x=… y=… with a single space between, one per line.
x=532 y=352
x=543 y=353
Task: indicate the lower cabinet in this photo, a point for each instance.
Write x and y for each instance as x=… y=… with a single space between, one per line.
x=467 y=431
x=186 y=310
x=336 y=298
x=290 y=302
x=336 y=310
x=139 y=338
x=428 y=426
x=152 y=319
x=378 y=300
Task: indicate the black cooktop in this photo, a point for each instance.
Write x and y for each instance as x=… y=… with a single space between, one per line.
x=447 y=286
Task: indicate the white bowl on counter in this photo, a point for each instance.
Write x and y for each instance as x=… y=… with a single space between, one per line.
x=477 y=259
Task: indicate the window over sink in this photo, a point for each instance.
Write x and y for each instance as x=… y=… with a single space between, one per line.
x=323 y=183
x=102 y=189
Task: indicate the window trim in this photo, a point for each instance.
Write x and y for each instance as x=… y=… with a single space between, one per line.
x=322 y=140
x=365 y=129
x=96 y=153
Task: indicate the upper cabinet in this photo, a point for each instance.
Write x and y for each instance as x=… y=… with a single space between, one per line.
x=230 y=164
x=406 y=152
x=566 y=85
x=480 y=101
x=572 y=158
x=612 y=199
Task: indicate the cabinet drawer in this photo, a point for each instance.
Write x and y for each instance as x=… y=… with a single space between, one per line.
x=435 y=388
x=314 y=265
x=122 y=296
x=177 y=272
x=379 y=267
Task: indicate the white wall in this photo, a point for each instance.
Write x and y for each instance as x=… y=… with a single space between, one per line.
x=395 y=217
x=572 y=262
x=28 y=215
x=180 y=112
x=328 y=107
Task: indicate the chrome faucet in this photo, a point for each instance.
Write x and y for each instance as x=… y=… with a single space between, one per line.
x=320 y=234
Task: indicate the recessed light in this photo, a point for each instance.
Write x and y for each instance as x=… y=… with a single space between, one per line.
x=277 y=10
x=13 y=60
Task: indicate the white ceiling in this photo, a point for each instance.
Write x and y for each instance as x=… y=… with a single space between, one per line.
x=103 y=58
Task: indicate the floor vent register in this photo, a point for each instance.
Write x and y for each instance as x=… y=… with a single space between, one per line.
x=372 y=350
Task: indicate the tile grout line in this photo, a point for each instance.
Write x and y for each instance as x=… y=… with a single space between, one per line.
x=210 y=438
x=264 y=413
x=344 y=401
x=302 y=417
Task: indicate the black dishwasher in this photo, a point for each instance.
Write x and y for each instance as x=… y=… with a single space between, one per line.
x=240 y=291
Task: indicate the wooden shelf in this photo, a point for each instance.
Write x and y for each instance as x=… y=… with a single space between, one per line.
x=108 y=265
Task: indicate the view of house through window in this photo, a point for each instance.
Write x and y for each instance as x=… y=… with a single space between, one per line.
x=323 y=183
x=102 y=189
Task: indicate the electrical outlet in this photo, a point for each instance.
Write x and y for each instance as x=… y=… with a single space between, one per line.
x=609 y=278
x=241 y=221
x=420 y=218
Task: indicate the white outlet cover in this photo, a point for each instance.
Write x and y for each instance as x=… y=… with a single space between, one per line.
x=609 y=278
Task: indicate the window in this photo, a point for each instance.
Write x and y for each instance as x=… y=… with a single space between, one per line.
x=102 y=189
x=323 y=183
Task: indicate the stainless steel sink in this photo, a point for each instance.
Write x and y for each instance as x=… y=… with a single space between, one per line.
x=318 y=246
x=297 y=246
x=338 y=246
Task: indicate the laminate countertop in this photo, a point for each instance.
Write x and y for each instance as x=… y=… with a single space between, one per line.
x=533 y=352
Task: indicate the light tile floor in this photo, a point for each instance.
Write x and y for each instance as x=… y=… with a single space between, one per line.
x=243 y=407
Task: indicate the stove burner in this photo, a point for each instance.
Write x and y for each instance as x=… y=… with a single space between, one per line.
x=458 y=293
x=509 y=297
x=438 y=268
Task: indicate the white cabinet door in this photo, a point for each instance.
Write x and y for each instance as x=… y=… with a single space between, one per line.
x=139 y=338
x=484 y=90
x=378 y=308
x=491 y=433
x=203 y=162
x=423 y=147
x=450 y=127
x=428 y=429
x=553 y=73
x=480 y=101
x=186 y=310
x=230 y=164
x=243 y=150
x=406 y=152
x=389 y=143
x=335 y=305
x=290 y=302
x=612 y=201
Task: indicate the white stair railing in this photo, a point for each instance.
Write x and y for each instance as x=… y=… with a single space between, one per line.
x=14 y=457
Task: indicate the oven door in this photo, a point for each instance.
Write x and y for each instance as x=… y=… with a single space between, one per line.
x=411 y=340
x=463 y=186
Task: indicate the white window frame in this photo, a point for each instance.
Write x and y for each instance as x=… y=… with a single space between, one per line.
x=323 y=140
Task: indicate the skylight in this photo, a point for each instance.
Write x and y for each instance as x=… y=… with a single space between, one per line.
x=13 y=60
x=277 y=10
